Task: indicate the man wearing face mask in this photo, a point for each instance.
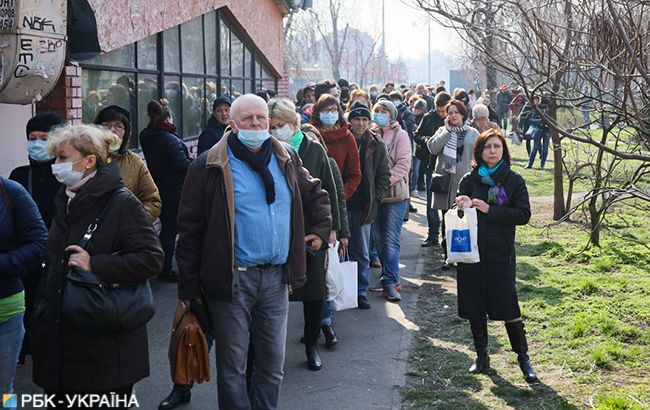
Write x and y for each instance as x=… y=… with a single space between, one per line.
x=216 y=125
x=242 y=248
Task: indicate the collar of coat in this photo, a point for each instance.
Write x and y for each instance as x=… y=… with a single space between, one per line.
x=218 y=154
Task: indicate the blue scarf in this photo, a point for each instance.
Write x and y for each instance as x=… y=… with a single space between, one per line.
x=496 y=194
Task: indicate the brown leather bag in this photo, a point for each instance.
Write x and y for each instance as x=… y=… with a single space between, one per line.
x=188 y=349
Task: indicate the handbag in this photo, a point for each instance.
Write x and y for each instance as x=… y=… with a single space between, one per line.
x=462 y=236
x=440 y=183
x=399 y=191
x=189 y=357
x=91 y=304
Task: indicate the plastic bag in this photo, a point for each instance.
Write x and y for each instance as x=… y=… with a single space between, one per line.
x=462 y=236
x=334 y=276
x=348 y=298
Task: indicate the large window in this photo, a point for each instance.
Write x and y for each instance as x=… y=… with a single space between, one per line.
x=190 y=65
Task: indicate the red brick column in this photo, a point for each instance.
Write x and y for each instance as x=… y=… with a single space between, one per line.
x=284 y=90
x=65 y=98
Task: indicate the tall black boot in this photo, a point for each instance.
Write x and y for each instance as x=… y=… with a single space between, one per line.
x=517 y=336
x=480 y=335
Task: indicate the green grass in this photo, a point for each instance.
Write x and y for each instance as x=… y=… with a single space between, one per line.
x=587 y=315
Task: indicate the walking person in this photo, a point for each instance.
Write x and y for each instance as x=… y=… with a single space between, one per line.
x=22 y=250
x=134 y=172
x=124 y=247
x=453 y=145
x=387 y=226
x=168 y=160
x=504 y=98
x=487 y=289
x=537 y=130
x=242 y=248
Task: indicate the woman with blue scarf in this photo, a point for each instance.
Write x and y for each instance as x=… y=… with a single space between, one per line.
x=487 y=289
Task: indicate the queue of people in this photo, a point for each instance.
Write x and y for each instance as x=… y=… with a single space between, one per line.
x=274 y=185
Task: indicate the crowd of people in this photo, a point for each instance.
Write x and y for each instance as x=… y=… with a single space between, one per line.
x=248 y=222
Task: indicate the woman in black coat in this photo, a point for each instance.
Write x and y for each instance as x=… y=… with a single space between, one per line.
x=488 y=287
x=168 y=160
x=124 y=247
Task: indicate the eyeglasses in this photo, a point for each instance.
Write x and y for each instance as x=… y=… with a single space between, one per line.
x=115 y=126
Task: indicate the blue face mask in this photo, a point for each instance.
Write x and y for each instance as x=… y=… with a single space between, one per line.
x=64 y=173
x=37 y=152
x=329 y=118
x=380 y=119
x=253 y=138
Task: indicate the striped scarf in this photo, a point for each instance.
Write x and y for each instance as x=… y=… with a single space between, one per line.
x=453 y=151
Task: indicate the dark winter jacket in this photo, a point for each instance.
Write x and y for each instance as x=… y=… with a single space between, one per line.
x=206 y=220
x=503 y=102
x=343 y=230
x=38 y=180
x=529 y=117
x=375 y=177
x=427 y=128
x=211 y=135
x=124 y=247
x=168 y=159
x=22 y=237
x=406 y=119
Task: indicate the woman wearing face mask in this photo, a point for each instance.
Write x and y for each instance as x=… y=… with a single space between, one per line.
x=168 y=160
x=285 y=126
x=373 y=91
x=387 y=225
x=453 y=145
x=135 y=173
x=327 y=117
x=124 y=247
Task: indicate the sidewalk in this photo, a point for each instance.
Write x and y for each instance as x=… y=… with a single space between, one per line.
x=364 y=371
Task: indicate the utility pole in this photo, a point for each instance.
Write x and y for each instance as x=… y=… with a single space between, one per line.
x=429 y=32
x=383 y=27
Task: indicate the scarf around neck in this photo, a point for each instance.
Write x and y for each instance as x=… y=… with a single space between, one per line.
x=453 y=151
x=163 y=126
x=259 y=161
x=496 y=192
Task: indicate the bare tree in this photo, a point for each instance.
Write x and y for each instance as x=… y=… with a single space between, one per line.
x=336 y=40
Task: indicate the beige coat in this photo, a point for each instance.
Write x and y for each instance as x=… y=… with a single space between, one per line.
x=137 y=179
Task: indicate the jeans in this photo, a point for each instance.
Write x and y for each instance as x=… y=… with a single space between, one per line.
x=168 y=234
x=503 y=120
x=540 y=144
x=386 y=230
x=11 y=339
x=433 y=218
x=415 y=173
x=326 y=314
x=359 y=249
x=259 y=309
x=374 y=255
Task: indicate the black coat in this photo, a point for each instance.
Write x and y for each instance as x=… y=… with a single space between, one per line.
x=489 y=286
x=211 y=135
x=427 y=128
x=168 y=160
x=124 y=247
x=42 y=186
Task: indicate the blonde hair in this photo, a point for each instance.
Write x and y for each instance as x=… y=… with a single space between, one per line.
x=284 y=109
x=87 y=139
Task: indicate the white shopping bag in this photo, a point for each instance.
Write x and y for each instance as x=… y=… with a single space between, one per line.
x=462 y=236
x=334 y=276
x=348 y=298
x=515 y=139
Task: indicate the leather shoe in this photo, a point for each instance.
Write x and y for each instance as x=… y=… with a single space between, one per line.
x=313 y=358
x=362 y=302
x=330 y=336
x=412 y=209
x=181 y=393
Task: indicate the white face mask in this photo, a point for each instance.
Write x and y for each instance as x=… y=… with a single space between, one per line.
x=283 y=133
x=64 y=173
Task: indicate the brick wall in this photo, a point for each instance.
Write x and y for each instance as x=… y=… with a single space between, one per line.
x=284 y=89
x=66 y=97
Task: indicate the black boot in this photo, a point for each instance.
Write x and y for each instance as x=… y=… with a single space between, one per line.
x=330 y=336
x=313 y=357
x=480 y=335
x=517 y=336
x=181 y=393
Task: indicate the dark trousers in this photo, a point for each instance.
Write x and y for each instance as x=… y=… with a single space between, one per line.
x=61 y=398
x=433 y=218
x=311 y=310
x=168 y=235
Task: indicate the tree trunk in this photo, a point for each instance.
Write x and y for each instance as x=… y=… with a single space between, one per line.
x=594 y=217
x=559 y=209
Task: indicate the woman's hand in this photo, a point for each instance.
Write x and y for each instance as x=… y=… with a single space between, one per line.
x=314 y=242
x=79 y=257
x=343 y=246
x=463 y=202
x=481 y=205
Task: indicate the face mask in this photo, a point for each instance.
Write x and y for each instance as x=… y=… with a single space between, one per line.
x=373 y=94
x=253 y=138
x=64 y=173
x=37 y=152
x=283 y=133
x=329 y=118
x=397 y=103
x=380 y=119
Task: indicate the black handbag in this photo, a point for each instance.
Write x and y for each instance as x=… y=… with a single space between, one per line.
x=91 y=304
x=440 y=183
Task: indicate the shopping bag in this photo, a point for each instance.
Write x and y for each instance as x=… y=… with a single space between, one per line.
x=515 y=138
x=347 y=299
x=462 y=236
x=334 y=276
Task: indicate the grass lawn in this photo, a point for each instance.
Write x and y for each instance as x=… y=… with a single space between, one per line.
x=587 y=315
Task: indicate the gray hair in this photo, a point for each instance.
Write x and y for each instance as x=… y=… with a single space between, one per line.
x=87 y=139
x=480 y=111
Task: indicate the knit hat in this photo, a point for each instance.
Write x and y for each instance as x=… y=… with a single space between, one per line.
x=44 y=122
x=389 y=106
x=358 y=109
x=219 y=101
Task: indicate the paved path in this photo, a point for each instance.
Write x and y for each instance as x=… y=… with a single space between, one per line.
x=364 y=371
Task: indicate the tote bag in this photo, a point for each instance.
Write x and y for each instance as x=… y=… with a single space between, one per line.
x=462 y=236
x=347 y=299
x=334 y=277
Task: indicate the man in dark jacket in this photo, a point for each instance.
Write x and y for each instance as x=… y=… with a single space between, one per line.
x=242 y=248
x=363 y=204
x=216 y=125
x=504 y=98
x=428 y=127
